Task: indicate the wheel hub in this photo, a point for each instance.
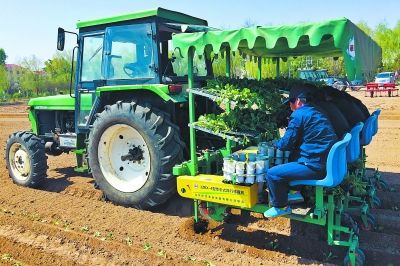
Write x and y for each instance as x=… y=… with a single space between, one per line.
x=19 y=161
x=135 y=155
x=124 y=158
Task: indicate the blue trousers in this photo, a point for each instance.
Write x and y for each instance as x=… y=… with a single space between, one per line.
x=278 y=178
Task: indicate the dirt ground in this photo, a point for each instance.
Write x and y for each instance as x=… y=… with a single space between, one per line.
x=66 y=222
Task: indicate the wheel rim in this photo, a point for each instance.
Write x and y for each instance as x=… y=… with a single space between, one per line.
x=124 y=158
x=19 y=161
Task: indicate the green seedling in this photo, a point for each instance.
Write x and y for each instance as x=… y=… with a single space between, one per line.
x=85 y=228
x=110 y=236
x=162 y=253
x=147 y=247
x=189 y=258
x=35 y=217
x=97 y=234
x=208 y=263
x=67 y=225
x=6 y=257
x=274 y=244
x=129 y=241
x=328 y=257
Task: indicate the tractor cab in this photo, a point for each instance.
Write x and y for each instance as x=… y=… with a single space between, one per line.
x=134 y=49
x=130 y=50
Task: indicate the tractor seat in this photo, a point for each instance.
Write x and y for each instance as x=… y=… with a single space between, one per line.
x=336 y=166
x=368 y=130
x=353 y=149
x=377 y=112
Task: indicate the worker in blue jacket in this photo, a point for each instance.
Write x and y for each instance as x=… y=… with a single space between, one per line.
x=309 y=136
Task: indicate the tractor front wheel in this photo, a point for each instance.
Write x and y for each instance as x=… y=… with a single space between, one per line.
x=26 y=160
x=132 y=149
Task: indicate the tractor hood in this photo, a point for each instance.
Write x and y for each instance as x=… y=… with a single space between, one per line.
x=58 y=102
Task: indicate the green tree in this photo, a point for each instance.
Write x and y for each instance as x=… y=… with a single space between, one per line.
x=3 y=56
x=4 y=82
x=364 y=27
x=58 y=70
x=32 y=78
x=389 y=40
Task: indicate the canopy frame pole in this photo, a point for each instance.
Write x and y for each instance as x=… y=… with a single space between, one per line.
x=193 y=167
x=228 y=62
x=259 y=68
x=228 y=103
x=277 y=66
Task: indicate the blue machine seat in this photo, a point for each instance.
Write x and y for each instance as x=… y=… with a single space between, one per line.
x=336 y=166
x=368 y=130
x=353 y=149
x=377 y=112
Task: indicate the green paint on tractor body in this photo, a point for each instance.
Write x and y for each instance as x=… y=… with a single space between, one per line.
x=66 y=102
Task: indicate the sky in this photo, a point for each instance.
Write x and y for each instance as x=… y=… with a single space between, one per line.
x=30 y=27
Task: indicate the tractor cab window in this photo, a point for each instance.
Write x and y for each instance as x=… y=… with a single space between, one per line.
x=128 y=52
x=92 y=57
x=179 y=64
x=172 y=63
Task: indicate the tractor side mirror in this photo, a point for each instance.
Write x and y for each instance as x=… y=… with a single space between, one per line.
x=60 y=39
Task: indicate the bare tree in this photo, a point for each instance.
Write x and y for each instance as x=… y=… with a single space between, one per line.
x=33 y=77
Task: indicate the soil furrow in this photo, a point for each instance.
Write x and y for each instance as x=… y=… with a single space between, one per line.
x=65 y=222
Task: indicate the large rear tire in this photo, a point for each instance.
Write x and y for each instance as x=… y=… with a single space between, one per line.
x=26 y=160
x=132 y=149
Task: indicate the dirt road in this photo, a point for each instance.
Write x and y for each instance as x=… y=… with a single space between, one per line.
x=66 y=222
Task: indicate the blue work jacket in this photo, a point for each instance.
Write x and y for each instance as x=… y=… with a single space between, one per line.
x=309 y=136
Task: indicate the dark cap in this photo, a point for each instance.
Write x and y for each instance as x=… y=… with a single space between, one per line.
x=298 y=91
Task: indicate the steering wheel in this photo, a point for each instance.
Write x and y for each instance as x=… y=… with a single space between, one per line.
x=131 y=70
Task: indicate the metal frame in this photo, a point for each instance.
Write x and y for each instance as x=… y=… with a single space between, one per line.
x=326 y=213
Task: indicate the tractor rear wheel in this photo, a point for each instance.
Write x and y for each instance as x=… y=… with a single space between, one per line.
x=26 y=160
x=132 y=149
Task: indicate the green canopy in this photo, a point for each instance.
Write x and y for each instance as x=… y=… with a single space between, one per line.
x=333 y=38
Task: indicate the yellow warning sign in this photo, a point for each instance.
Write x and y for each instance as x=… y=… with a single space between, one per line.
x=211 y=188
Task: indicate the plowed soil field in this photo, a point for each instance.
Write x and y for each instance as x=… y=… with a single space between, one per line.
x=66 y=222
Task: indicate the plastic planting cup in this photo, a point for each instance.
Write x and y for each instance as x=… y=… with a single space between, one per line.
x=260 y=165
x=266 y=164
x=286 y=155
x=251 y=168
x=263 y=148
x=235 y=157
x=279 y=157
x=271 y=152
x=240 y=179
x=229 y=165
x=252 y=157
x=240 y=166
x=250 y=179
x=228 y=176
x=242 y=157
x=260 y=178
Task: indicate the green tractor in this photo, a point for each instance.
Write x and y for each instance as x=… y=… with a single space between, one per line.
x=123 y=119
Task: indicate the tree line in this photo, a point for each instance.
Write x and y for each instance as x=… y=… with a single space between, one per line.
x=32 y=77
